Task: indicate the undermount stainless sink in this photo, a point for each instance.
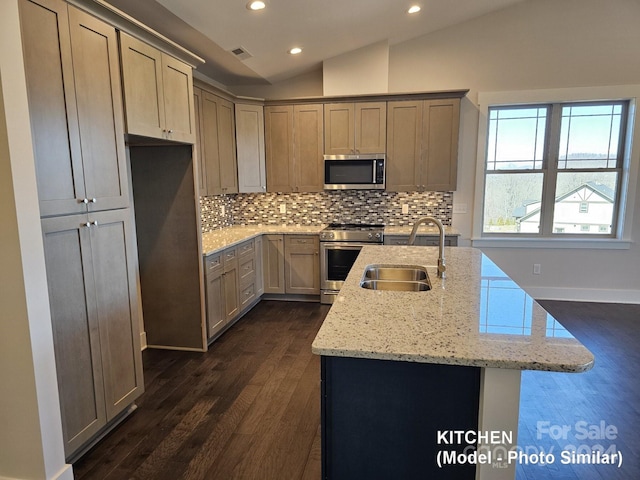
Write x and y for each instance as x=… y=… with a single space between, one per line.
x=399 y=278
x=405 y=273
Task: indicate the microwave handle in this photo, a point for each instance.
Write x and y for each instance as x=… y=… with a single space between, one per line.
x=375 y=164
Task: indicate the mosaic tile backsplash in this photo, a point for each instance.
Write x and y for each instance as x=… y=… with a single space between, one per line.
x=341 y=206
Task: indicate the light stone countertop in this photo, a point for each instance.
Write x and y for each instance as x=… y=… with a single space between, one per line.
x=213 y=242
x=476 y=316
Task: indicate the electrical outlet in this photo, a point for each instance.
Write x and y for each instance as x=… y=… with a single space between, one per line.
x=223 y=210
x=405 y=208
x=283 y=208
x=536 y=269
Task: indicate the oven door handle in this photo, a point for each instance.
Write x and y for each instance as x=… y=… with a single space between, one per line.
x=344 y=245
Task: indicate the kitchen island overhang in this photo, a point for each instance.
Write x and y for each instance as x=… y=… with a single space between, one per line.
x=477 y=322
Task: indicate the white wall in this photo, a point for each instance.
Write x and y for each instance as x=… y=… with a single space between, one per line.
x=534 y=45
x=30 y=426
x=362 y=71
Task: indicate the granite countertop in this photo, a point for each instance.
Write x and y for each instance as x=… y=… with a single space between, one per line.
x=213 y=242
x=476 y=316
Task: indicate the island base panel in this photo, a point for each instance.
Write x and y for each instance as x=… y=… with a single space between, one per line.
x=380 y=418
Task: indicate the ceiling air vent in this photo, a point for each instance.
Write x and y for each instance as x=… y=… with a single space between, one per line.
x=241 y=53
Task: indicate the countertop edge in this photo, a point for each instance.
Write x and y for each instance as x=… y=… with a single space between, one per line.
x=460 y=362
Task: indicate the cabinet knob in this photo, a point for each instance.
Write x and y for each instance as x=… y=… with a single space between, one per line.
x=169 y=131
x=94 y=223
x=93 y=200
x=86 y=224
x=83 y=200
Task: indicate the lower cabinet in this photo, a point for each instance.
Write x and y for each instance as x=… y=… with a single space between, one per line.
x=94 y=309
x=273 y=263
x=232 y=284
x=302 y=264
x=291 y=264
x=421 y=240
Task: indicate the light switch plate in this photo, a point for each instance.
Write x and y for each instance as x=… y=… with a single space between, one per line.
x=459 y=208
x=405 y=208
x=283 y=208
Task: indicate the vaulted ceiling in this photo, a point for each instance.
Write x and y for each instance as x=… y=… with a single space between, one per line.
x=323 y=29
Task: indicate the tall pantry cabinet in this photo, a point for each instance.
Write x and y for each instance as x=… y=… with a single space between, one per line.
x=75 y=103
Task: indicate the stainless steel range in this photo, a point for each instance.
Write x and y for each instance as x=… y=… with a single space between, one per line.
x=340 y=244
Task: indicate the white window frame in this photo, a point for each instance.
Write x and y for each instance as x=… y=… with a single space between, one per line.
x=630 y=166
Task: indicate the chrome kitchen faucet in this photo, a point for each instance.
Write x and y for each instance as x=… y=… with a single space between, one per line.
x=412 y=238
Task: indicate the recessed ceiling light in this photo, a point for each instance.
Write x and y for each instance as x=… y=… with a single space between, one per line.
x=295 y=51
x=414 y=9
x=256 y=5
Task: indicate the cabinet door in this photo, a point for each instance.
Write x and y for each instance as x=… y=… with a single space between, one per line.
x=94 y=47
x=216 y=315
x=441 y=119
x=404 y=130
x=339 y=128
x=219 y=145
x=278 y=127
x=231 y=285
x=114 y=275
x=227 y=147
x=143 y=88
x=52 y=106
x=259 y=266
x=307 y=150
x=371 y=127
x=199 y=155
x=250 y=148
x=177 y=82
x=74 y=319
x=302 y=264
x=273 y=263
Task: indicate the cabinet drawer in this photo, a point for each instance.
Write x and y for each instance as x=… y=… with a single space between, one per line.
x=301 y=240
x=247 y=271
x=213 y=264
x=230 y=254
x=247 y=295
x=247 y=248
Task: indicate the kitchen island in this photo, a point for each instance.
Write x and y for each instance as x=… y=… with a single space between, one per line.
x=404 y=371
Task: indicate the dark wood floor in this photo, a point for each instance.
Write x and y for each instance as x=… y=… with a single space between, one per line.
x=249 y=408
x=609 y=393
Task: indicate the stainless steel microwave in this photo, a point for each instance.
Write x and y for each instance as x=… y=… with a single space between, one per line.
x=358 y=172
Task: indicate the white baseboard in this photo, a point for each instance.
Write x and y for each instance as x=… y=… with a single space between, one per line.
x=584 y=294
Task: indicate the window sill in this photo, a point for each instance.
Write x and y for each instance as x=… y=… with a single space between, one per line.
x=514 y=242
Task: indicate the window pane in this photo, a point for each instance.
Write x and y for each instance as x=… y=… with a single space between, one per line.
x=590 y=136
x=585 y=202
x=516 y=138
x=512 y=203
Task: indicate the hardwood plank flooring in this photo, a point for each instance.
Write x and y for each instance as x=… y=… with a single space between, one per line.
x=609 y=393
x=250 y=407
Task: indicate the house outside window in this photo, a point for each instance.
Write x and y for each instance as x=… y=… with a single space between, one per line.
x=554 y=169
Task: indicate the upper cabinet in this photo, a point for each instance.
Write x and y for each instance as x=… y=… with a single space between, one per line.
x=216 y=148
x=293 y=144
x=75 y=106
x=158 y=93
x=250 y=148
x=355 y=128
x=422 y=145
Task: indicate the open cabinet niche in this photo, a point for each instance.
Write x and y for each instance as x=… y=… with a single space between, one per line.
x=167 y=218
